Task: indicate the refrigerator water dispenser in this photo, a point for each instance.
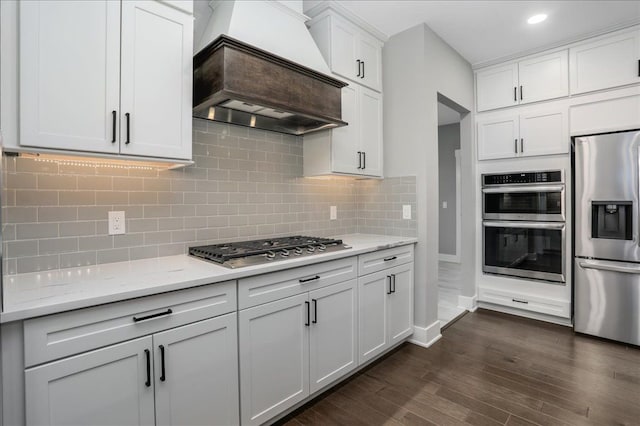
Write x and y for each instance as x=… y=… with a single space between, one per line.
x=611 y=219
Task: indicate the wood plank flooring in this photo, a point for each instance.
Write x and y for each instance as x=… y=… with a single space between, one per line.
x=490 y=369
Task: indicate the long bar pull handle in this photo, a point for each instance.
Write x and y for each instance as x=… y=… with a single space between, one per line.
x=389 y=277
x=362 y=69
x=127 y=116
x=515 y=145
x=358 y=67
x=515 y=94
x=147 y=353
x=306 y=280
x=388 y=259
x=113 y=126
x=520 y=92
x=393 y=280
x=306 y=304
x=364 y=160
x=520 y=301
x=359 y=159
x=521 y=145
x=612 y=268
x=163 y=376
x=315 y=311
x=638 y=67
x=147 y=317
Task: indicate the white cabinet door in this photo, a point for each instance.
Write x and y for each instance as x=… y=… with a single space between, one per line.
x=544 y=132
x=70 y=74
x=332 y=341
x=274 y=357
x=544 y=77
x=344 y=47
x=400 y=306
x=606 y=62
x=196 y=373
x=109 y=386
x=371 y=132
x=156 y=90
x=370 y=53
x=497 y=87
x=498 y=137
x=345 y=140
x=372 y=314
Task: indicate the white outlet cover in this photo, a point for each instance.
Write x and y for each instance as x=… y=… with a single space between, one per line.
x=116 y=223
x=333 y=212
x=444 y=204
x=406 y=211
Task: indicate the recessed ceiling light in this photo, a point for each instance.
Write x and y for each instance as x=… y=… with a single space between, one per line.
x=536 y=19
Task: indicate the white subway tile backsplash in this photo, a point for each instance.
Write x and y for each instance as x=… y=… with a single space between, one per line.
x=245 y=184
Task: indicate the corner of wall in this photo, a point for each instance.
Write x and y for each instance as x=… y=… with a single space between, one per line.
x=426 y=336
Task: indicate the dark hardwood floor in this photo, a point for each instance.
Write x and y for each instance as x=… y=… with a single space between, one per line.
x=490 y=369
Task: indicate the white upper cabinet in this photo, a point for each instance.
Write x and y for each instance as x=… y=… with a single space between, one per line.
x=609 y=61
x=371 y=132
x=529 y=80
x=352 y=51
x=157 y=50
x=497 y=87
x=344 y=140
x=530 y=131
x=70 y=75
x=106 y=77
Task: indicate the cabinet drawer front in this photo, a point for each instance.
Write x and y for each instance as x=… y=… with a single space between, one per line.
x=265 y=288
x=527 y=302
x=60 y=335
x=383 y=259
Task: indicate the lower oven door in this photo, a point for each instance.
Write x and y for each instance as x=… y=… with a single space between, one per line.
x=533 y=250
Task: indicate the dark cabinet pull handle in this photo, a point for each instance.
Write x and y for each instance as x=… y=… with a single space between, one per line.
x=358 y=61
x=364 y=160
x=306 y=280
x=521 y=145
x=520 y=92
x=362 y=70
x=113 y=126
x=147 y=353
x=389 y=291
x=515 y=94
x=393 y=280
x=308 y=313
x=315 y=311
x=359 y=159
x=127 y=140
x=638 y=67
x=387 y=259
x=520 y=301
x=515 y=146
x=147 y=317
x=163 y=376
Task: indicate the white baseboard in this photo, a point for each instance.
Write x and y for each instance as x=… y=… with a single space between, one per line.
x=527 y=314
x=468 y=303
x=426 y=336
x=453 y=258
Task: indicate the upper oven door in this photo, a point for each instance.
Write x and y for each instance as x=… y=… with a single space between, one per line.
x=526 y=202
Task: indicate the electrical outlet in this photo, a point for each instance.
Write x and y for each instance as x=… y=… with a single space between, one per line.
x=444 y=204
x=333 y=213
x=406 y=211
x=116 y=223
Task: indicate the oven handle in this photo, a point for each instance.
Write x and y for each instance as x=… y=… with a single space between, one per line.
x=503 y=189
x=606 y=267
x=518 y=224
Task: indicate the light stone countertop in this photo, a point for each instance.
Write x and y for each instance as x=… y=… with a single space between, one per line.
x=48 y=292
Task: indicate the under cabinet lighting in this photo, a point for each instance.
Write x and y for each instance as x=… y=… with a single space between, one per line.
x=536 y=19
x=96 y=162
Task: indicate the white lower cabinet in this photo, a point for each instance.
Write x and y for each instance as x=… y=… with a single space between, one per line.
x=183 y=376
x=385 y=310
x=109 y=386
x=293 y=347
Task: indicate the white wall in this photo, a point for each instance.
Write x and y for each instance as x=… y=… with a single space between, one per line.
x=417 y=65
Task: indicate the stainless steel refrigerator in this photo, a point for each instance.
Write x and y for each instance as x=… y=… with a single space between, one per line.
x=607 y=236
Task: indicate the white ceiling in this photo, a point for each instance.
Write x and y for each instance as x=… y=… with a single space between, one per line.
x=483 y=31
x=447 y=115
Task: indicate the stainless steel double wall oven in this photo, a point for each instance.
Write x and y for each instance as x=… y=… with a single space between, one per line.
x=524 y=230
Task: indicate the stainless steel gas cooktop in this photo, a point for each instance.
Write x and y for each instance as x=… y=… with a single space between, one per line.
x=246 y=253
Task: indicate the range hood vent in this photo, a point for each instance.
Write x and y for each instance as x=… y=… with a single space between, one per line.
x=237 y=83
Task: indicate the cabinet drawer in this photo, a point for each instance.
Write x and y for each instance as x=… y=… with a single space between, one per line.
x=527 y=302
x=383 y=259
x=265 y=288
x=60 y=335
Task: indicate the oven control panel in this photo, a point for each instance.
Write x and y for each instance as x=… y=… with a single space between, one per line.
x=552 y=176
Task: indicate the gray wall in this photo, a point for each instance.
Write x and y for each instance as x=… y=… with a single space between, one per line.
x=417 y=65
x=245 y=184
x=448 y=142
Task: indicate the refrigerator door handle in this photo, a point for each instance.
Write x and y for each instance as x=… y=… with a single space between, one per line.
x=609 y=267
